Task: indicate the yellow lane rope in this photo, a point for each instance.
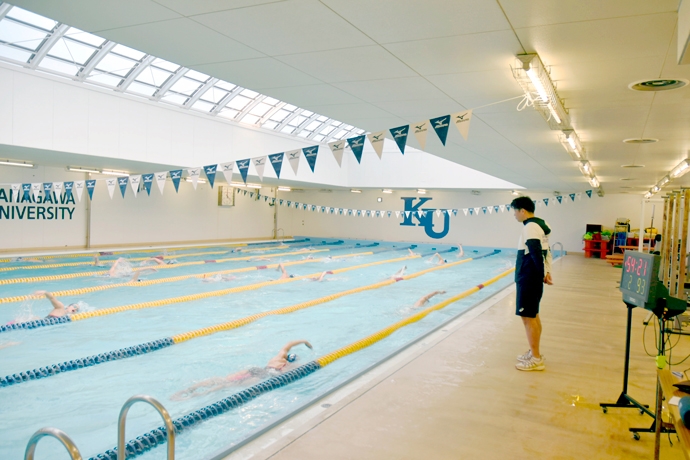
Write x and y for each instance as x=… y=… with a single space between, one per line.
x=98 y=253
x=300 y=306
x=36 y=279
x=383 y=333
x=79 y=291
x=222 y=292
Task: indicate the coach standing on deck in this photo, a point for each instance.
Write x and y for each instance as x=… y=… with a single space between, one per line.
x=532 y=271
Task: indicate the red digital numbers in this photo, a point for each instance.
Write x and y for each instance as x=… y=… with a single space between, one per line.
x=633 y=265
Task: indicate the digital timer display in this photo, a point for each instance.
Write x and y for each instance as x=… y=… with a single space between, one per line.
x=639 y=278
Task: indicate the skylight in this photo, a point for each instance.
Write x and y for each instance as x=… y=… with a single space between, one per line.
x=37 y=42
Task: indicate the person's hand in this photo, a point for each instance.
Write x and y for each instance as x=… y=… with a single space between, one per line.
x=548 y=280
x=309 y=345
x=40 y=293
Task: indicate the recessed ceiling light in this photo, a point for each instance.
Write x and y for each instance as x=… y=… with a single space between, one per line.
x=632 y=166
x=640 y=140
x=660 y=84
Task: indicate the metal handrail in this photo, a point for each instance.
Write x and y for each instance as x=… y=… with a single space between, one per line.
x=276 y=234
x=561 y=252
x=55 y=433
x=170 y=428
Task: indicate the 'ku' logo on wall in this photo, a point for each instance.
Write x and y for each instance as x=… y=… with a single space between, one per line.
x=424 y=217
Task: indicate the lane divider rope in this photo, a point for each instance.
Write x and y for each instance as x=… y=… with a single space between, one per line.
x=158 y=436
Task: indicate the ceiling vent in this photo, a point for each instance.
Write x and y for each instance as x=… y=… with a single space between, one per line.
x=640 y=140
x=662 y=84
x=632 y=166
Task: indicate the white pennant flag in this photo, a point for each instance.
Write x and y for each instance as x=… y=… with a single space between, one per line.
x=407 y=213
x=160 y=180
x=461 y=120
x=260 y=164
x=579 y=195
x=226 y=168
x=16 y=190
x=438 y=213
x=476 y=211
x=111 y=183
x=420 y=131
x=490 y=208
x=79 y=186
x=502 y=207
x=134 y=181
x=194 y=175
x=464 y=210
x=377 y=141
x=397 y=213
x=373 y=213
x=382 y=213
x=293 y=158
x=36 y=190
x=57 y=188
x=337 y=147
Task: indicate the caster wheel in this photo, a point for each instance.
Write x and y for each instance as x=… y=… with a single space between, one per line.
x=636 y=436
x=641 y=412
x=605 y=409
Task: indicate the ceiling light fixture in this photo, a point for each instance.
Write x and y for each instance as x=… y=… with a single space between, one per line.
x=586 y=168
x=387 y=190
x=515 y=193
x=354 y=190
x=242 y=184
x=111 y=172
x=198 y=181
x=680 y=169
x=540 y=91
x=594 y=182
x=282 y=188
x=664 y=180
x=15 y=163
x=421 y=191
x=84 y=170
x=572 y=145
x=648 y=195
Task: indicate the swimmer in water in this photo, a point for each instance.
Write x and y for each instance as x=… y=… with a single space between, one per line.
x=285 y=274
x=426 y=298
x=59 y=308
x=461 y=251
x=441 y=260
x=280 y=363
x=412 y=254
x=398 y=276
x=8 y=344
x=322 y=276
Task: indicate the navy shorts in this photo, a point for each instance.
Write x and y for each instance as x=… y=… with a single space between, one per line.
x=528 y=296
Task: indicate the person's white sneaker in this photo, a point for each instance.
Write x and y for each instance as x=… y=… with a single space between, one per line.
x=527 y=355
x=532 y=364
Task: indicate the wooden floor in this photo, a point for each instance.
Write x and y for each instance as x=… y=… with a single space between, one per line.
x=461 y=397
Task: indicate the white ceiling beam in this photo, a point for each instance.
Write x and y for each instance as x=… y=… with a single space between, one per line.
x=47 y=45
x=249 y=107
x=95 y=59
x=158 y=95
x=200 y=92
x=228 y=97
x=134 y=73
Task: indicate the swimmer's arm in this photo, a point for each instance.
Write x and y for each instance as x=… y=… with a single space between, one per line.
x=190 y=392
x=286 y=349
x=426 y=298
x=56 y=303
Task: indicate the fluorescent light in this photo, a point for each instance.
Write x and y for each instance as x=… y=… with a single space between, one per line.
x=421 y=191
x=586 y=168
x=538 y=85
x=198 y=181
x=680 y=169
x=14 y=163
x=664 y=180
x=112 y=172
x=242 y=184
x=648 y=195
x=354 y=190
x=379 y=199
x=553 y=113
x=515 y=193
x=284 y=189
x=593 y=181
x=94 y=171
x=655 y=189
x=571 y=143
x=387 y=190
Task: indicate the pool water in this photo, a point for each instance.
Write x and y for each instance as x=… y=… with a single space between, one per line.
x=85 y=403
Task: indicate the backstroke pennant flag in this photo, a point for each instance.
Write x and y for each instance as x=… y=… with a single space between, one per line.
x=226 y=169
x=560 y=199
x=68 y=189
x=147 y=179
x=111 y=186
x=90 y=185
x=310 y=153
x=440 y=125
x=462 y=122
x=357 y=145
x=135 y=181
x=36 y=190
x=420 y=131
x=57 y=188
x=243 y=166
x=572 y=196
x=16 y=192
x=589 y=193
x=160 y=180
x=400 y=136
x=79 y=187
x=194 y=175
x=122 y=182
x=377 y=141
x=176 y=175
x=47 y=188
x=210 y=172
x=337 y=148
x=260 y=164
x=293 y=159
x=276 y=161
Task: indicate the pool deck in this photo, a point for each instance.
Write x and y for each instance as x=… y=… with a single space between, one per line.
x=457 y=394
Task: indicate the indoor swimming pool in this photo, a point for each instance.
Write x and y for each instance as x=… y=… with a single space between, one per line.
x=214 y=312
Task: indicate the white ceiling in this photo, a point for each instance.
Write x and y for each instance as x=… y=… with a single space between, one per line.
x=384 y=63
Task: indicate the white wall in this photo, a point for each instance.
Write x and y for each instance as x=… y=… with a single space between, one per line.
x=567 y=220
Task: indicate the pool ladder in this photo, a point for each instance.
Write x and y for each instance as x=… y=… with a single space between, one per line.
x=72 y=448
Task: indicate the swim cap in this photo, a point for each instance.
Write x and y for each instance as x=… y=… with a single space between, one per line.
x=291 y=357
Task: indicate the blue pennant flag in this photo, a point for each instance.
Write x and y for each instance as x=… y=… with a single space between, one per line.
x=280 y=202
x=122 y=182
x=546 y=201
x=68 y=190
x=277 y=162
x=90 y=185
x=441 y=125
x=508 y=207
x=572 y=196
x=47 y=188
x=210 y=171
x=289 y=203
x=176 y=175
x=310 y=154
x=484 y=209
x=357 y=146
x=400 y=136
x=560 y=199
x=148 y=180
x=589 y=193
x=251 y=194
x=471 y=211
x=26 y=188
x=243 y=166
x=496 y=208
